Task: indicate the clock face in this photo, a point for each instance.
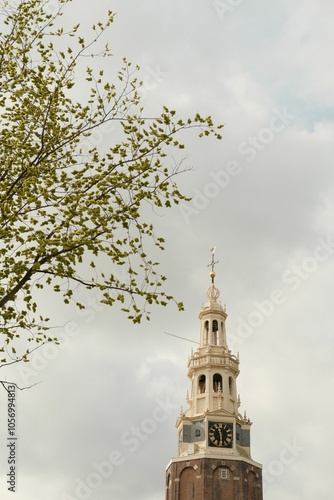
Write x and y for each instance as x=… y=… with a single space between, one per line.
x=220 y=434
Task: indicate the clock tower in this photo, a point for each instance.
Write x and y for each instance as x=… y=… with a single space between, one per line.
x=213 y=459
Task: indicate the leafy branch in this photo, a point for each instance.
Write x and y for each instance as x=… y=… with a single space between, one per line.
x=64 y=207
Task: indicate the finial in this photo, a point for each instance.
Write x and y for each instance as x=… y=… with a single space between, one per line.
x=212 y=264
x=213 y=292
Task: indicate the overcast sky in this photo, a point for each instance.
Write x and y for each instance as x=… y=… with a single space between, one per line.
x=110 y=395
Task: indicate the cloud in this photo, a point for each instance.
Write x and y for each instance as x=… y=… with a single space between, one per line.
x=263 y=196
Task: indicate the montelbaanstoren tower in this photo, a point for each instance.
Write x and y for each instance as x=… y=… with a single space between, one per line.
x=213 y=459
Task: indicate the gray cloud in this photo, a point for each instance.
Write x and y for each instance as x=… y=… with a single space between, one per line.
x=100 y=396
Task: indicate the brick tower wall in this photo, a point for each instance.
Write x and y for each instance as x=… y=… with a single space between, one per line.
x=213 y=479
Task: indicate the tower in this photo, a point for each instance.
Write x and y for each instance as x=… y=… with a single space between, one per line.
x=213 y=460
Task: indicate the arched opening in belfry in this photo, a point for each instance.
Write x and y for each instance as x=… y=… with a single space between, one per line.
x=214 y=332
x=201 y=384
x=230 y=385
x=217 y=382
x=206 y=332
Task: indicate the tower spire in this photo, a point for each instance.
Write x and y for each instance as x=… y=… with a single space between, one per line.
x=212 y=264
x=213 y=292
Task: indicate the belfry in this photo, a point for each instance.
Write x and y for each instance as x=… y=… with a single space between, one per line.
x=213 y=459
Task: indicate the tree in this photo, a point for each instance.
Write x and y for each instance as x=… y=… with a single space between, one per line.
x=64 y=206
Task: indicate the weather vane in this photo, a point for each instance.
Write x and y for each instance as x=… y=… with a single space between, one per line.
x=212 y=264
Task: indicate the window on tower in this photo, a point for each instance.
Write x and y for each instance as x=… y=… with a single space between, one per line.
x=223 y=474
x=217 y=382
x=201 y=384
